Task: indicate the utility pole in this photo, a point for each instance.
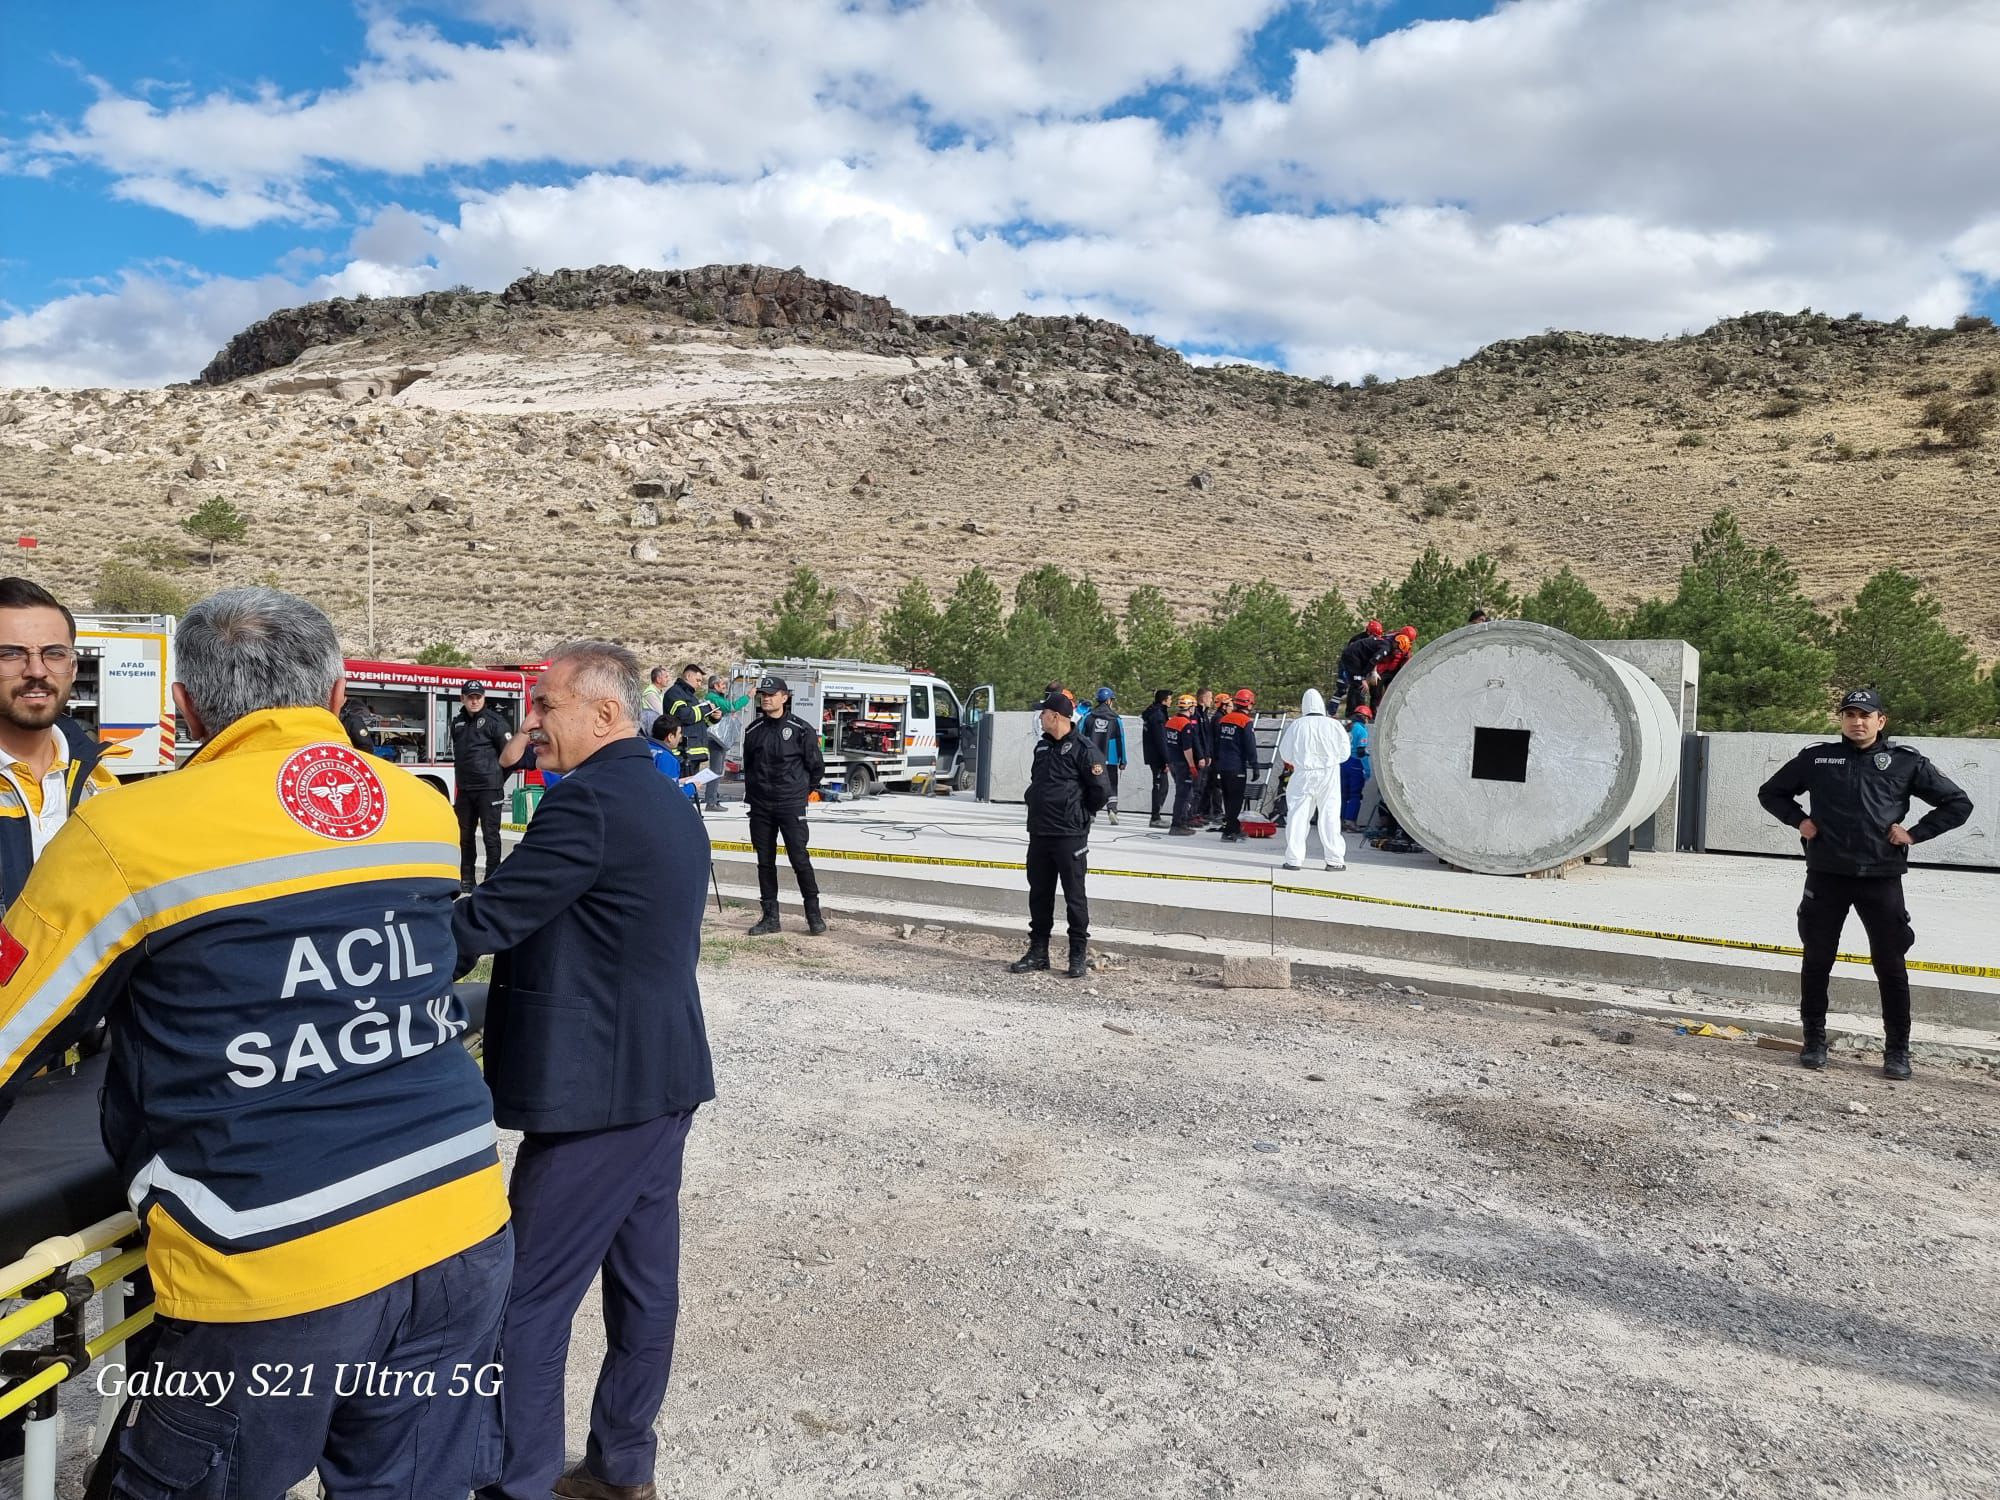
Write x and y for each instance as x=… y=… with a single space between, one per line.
x=371 y=587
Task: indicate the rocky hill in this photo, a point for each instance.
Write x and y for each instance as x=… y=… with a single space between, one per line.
x=647 y=454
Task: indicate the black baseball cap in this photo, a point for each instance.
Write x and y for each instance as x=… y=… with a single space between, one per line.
x=771 y=683
x=473 y=690
x=1866 y=699
x=1058 y=703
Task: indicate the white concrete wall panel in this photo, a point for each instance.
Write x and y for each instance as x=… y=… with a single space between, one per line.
x=1740 y=763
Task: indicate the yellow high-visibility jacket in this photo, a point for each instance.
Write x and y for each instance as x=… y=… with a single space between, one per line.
x=269 y=931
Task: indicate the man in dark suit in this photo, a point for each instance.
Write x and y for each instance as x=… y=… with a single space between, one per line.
x=595 y=1048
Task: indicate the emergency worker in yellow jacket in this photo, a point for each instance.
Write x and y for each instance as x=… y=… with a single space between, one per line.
x=307 y=1143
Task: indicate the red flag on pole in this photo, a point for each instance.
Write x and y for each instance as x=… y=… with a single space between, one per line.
x=27 y=541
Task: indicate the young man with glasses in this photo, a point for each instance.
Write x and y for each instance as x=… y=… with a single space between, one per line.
x=48 y=762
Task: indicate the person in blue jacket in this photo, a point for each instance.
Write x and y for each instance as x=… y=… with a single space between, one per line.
x=1354 y=771
x=1105 y=731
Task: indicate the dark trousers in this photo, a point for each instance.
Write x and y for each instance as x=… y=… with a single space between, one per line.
x=765 y=826
x=1184 y=785
x=478 y=812
x=1051 y=860
x=1353 y=777
x=583 y=1202
x=388 y=1395
x=1161 y=782
x=1111 y=776
x=1233 y=783
x=1878 y=901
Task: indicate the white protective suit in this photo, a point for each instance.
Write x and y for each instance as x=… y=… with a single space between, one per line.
x=1313 y=745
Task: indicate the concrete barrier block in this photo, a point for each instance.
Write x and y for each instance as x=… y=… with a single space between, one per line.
x=1256 y=972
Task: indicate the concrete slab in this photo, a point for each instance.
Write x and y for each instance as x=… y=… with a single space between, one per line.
x=954 y=852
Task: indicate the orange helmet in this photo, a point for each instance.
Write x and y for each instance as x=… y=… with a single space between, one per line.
x=1245 y=698
x=1185 y=701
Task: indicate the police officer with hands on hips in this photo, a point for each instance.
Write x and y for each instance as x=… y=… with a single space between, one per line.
x=1066 y=789
x=782 y=771
x=1859 y=789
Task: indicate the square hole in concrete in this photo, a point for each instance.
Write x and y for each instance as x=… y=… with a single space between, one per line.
x=1500 y=754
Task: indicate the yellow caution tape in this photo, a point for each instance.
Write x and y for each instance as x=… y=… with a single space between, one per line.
x=1786 y=950
x=1974 y=971
x=882 y=857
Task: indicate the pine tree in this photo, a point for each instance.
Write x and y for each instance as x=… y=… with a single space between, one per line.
x=217 y=521
x=909 y=632
x=1252 y=640
x=443 y=654
x=1438 y=595
x=1325 y=627
x=1893 y=639
x=1566 y=602
x=1154 y=651
x=1086 y=638
x=803 y=622
x=970 y=631
x=1764 y=660
x=1030 y=658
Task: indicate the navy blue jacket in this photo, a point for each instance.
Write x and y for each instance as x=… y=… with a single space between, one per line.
x=594 y=1014
x=1236 y=745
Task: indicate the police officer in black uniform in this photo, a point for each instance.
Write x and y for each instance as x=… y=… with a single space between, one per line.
x=478 y=735
x=1065 y=791
x=782 y=771
x=1856 y=846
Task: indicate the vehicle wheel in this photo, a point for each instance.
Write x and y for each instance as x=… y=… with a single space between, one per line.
x=861 y=782
x=962 y=779
x=435 y=785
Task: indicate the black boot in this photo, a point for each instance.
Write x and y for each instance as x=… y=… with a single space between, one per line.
x=815 y=923
x=1813 y=1054
x=769 y=924
x=1037 y=957
x=1077 y=952
x=1896 y=1064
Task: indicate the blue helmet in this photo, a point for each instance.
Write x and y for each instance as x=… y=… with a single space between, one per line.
x=1104 y=695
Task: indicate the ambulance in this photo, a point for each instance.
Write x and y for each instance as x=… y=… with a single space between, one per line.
x=882 y=728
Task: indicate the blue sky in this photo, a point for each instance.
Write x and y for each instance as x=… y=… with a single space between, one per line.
x=1327 y=187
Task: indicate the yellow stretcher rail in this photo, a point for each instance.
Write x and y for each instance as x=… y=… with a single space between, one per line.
x=34 y=1315
x=63 y=1249
x=32 y=1387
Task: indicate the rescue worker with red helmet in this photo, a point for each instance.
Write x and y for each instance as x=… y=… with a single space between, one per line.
x=1184 y=740
x=1359 y=658
x=1235 y=760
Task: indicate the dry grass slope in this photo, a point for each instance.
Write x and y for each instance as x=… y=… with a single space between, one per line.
x=650 y=464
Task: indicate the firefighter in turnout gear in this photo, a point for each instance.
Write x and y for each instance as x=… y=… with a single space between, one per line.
x=1066 y=789
x=308 y=1145
x=1859 y=788
x=782 y=771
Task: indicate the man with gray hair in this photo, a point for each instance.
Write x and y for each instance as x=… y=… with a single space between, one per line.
x=596 y=1051
x=310 y=1149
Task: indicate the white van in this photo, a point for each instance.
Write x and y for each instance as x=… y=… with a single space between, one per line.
x=881 y=727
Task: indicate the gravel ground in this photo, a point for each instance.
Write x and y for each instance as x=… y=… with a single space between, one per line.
x=952 y=1232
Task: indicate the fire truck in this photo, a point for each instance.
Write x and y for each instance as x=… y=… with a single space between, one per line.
x=123 y=692
x=408 y=709
x=881 y=727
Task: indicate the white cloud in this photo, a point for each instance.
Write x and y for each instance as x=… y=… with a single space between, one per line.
x=1561 y=163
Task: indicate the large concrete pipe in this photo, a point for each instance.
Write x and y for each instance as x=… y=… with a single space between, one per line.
x=1511 y=748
